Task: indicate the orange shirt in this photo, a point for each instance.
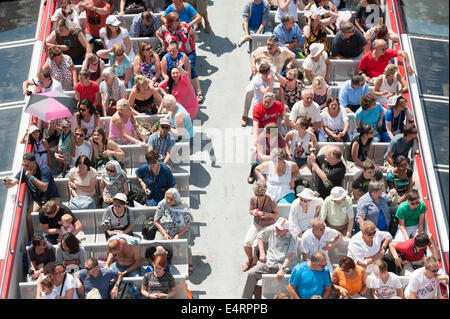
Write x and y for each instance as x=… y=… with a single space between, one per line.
x=353 y=286
x=95 y=21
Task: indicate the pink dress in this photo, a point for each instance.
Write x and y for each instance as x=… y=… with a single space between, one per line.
x=184 y=94
x=115 y=135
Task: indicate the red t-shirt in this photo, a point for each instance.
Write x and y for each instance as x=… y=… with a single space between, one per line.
x=87 y=91
x=374 y=68
x=95 y=21
x=265 y=116
x=406 y=251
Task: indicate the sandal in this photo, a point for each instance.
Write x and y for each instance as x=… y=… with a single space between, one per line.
x=190 y=269
x=251 y=179
x=200 y=97
x=244 y=121
x=246 y=266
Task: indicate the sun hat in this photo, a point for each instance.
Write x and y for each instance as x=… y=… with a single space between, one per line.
x=121 y=196
x=164 y=121
x=112 y=20
x=307 y=193
x=315 y=49
x=282 y=224
x=338 y=193
x=65 y=123
x=32 y=129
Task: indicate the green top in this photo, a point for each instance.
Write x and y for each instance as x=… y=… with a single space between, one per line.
x=337 y=214
x=411 y=217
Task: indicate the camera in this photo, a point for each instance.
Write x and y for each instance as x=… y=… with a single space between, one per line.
x=29 y=92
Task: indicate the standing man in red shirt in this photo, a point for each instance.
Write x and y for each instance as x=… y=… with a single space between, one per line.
x=375 y=61
x=96 y=13
x=265 y=112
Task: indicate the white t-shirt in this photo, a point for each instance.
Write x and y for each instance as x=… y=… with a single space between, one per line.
x=311 y=245
x=337 y=123
x=109 y=43
x=317 y=68
x=384 y=290
x=69 y=283
x=83 y=149
x=312 y=112
x=86 y=181
x=358 y=250
x=51 y=295
x=425 y=288
x=259 y=82
x=56 y=85
x=299 y=220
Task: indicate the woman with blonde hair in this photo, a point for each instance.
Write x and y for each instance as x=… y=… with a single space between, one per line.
x=123 y=128
x=387 y=84
x=143 y=97
x=120 y=62
x=147 y=63
x=322 y=91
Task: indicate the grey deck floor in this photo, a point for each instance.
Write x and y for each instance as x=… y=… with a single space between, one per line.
x=220 y=192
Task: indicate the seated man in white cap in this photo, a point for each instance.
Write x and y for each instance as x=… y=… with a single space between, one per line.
x=317 y=63
x=337 y=211
x=319 y=238
x=279 y=260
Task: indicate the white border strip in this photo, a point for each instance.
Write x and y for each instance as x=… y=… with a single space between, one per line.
x=427 y=159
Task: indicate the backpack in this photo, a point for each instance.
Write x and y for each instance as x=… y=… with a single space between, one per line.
x=149 y=229
x=128 y=290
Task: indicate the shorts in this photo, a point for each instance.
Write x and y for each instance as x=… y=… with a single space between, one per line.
x=199 y=5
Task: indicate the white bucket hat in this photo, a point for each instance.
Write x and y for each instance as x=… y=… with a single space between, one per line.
x=112 y=20
x=315 y=49
x=121 y=196
x=307 y=193
x=338 y=193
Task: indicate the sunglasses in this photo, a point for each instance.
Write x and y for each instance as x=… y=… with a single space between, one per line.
x=153 y=162
x=59 y=272
x=148 y=49
x=118 y=205
x=434 y=271
x=58 y=54
x=290 y=79
x=82 y=110
x=165 y=127
x=416 y=202
x=90 y=268
x=79 y=134
x=110 y=170
x=321 y=266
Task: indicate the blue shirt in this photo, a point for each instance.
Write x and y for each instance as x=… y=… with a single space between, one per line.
x=398 y=122
x=186 y=15
x=139 y=29
x=161 y=145
x=351 y=96
x=188 y=129
x=164 y=179
x=101 y=282
x=370 y=117
x=44 y=174
x=288 y=36
x=398 y=146
x=256 y=17
x=370 y=209
x=308 y=282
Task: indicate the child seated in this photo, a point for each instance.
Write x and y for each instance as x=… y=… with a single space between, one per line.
x=152 y=252
x=47 y=286
x=67 y=227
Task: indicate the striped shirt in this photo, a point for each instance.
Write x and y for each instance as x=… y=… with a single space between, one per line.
x=161 y=145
